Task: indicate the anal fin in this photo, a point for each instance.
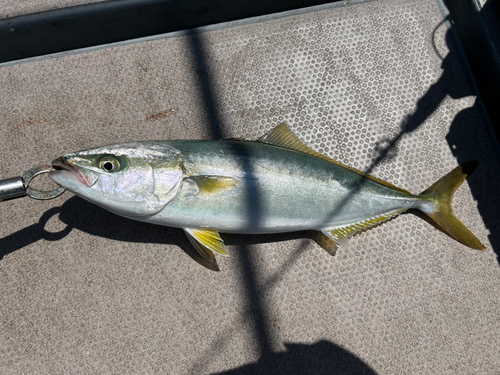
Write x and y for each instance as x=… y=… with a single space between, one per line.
x=341 y=234
x=206 y=242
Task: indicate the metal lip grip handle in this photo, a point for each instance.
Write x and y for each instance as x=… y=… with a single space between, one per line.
x=18 y=187
x=12 y=188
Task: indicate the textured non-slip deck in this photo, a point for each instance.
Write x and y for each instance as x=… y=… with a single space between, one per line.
x=377 y=86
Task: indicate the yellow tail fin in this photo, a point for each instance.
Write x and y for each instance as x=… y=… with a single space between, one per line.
x=441 y=193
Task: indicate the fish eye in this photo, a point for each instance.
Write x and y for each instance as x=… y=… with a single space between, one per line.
x=109 y=164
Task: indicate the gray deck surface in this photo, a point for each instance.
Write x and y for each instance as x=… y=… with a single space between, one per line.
x=85 y=291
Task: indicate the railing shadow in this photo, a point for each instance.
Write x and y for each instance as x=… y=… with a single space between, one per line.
x=467 y=142
x=459 y=138
x=255 y=304
x=464 y=144
x=320 y=358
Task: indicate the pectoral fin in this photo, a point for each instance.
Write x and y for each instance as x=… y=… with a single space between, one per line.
x=214 y=184
x=206 y=242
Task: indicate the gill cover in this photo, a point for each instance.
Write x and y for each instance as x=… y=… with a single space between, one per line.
x=132 y=180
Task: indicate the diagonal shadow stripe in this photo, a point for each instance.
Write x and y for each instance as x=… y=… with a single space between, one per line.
x=253 y=298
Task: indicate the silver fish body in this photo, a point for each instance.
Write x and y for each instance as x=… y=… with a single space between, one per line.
x=278 y=190
x=276 y=184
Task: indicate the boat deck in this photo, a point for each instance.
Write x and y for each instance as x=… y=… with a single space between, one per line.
x=380 y=86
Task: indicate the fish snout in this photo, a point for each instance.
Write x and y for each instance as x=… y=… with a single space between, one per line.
x=65 y=164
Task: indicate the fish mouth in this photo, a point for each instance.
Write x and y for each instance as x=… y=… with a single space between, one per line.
x=62 y=164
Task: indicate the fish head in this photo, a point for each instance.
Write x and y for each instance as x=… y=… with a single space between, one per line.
x=135 y=179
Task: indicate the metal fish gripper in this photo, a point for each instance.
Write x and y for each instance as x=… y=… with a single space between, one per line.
x=18 y=187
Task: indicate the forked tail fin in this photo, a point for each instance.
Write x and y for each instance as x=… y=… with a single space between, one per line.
x=441 y=193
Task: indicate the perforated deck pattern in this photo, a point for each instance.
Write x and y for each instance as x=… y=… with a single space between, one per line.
x=377 y=86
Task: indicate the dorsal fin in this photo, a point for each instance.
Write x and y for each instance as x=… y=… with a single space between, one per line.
x=282 y=136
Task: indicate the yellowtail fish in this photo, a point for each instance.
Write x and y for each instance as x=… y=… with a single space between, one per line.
x=275 y=184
